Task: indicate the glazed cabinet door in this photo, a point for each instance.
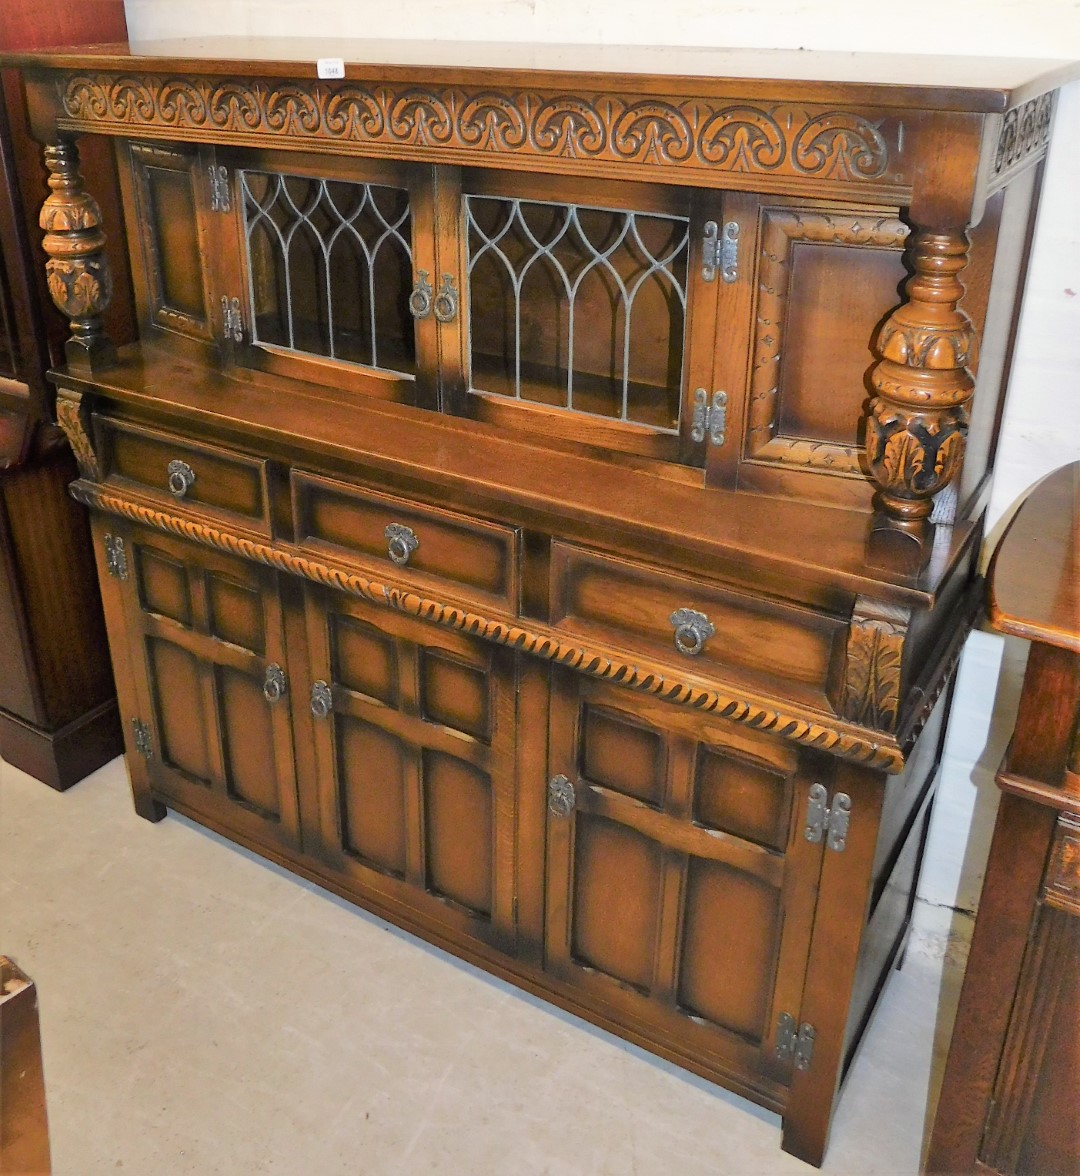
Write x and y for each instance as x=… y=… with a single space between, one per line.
x=414 y=740
x=208 y=660
x=681 y=889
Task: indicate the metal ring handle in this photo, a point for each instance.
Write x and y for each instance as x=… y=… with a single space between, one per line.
x=420 y=298
x=446 y=301
x=402 y=542
x=692 y=630
x=181 y=477
x=561 y=796
x=274 y=683
x=322 y=701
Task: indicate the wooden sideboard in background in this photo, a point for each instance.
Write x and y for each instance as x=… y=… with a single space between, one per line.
x=58 y=716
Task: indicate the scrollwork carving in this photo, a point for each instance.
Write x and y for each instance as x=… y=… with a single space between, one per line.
x=666 y=133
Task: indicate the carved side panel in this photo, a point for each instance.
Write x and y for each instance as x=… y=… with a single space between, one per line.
x=873 y=664
x=799 y=384
x=78 y=272
x=73 y=416
x=917 y=424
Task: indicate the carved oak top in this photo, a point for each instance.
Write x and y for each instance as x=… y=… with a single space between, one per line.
x=901 y=81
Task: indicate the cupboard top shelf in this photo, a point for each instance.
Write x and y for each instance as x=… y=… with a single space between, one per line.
x=901 y=81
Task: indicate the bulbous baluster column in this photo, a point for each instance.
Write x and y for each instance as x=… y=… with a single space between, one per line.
x=916 y=430
x=78 y=272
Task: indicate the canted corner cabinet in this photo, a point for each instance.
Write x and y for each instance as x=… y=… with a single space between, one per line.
x=543 y=502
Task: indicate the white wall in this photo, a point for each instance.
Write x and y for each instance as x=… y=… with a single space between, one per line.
x=1042 y=424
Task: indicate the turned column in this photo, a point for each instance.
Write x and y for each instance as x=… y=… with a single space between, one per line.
x=916 y=429
x=78 y=272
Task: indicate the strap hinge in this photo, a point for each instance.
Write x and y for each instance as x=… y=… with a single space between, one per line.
x=220 y=200
x=116 y=563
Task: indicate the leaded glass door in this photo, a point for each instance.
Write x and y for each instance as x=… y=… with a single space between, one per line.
x=330 y=254
x=590 y=313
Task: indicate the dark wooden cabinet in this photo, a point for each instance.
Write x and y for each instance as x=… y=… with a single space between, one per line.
x=58 y=714
x=490 y=518
x=1008 y=1100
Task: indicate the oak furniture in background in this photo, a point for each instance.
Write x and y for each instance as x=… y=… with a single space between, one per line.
x=58 y=714
x=1008 y=1101
x=543 y=502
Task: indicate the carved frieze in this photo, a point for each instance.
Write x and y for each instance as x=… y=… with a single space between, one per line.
x=1025 y=133
x=669 y=133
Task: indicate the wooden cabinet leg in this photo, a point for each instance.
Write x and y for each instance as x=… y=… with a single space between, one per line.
x=24 y=1127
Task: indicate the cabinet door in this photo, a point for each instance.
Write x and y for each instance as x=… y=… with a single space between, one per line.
x=208 y=657
x=589 y=310
x=680 y=886
x=414 y=739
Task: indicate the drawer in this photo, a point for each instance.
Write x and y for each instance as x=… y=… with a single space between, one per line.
x=188 y=472
x=703 y=625
x=421 y=544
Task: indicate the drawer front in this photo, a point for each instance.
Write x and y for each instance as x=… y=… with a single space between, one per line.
x=685 y=621
x=186 y=472
x=420 y=544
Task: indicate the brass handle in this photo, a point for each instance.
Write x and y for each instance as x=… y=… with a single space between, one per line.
x=420 y=298
x=274 y=684
x=446 y=301
x=181 y=478
x=402 y=543
x=322 y=701
x=692 y=630
x=561 y=796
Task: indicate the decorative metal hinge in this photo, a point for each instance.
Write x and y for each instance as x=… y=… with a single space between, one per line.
x=219 y=188
x=720 y=252
x=116 y=557
x=232 y=320
x=795 y=1044
x=144 y=743
x=710 y=419
x=825 y=822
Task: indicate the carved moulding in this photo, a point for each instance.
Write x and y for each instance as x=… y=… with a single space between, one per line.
x=782 y=229
x=809 y=729
x=1023 y=138
x=873 y=664
x=73 y=416
x=915 y=433
x=842 y=148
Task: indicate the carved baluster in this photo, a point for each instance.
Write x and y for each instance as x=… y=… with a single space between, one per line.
x=78 y=271
x=917 y=424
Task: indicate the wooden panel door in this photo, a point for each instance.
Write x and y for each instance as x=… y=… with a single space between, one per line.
x=414 y=740
x=208 y=661
x=680 y=886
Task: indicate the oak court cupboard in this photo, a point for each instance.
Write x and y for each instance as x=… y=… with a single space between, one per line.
x=543 y=501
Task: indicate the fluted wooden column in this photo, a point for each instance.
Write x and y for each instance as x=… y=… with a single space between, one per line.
x=916 y=430
x=78 y=272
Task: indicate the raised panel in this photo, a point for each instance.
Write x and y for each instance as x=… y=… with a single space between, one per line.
x=236 y=612
x=619 y=753
x=456 y=693
x=182 y=721
x=740 y=796
x=458 y=831
x=163 y=585
x=371 y=782
x=730 y=936
x=364 y=659
x=251 y=769
x=616 y=900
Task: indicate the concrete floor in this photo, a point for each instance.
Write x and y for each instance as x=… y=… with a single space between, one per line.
x=206 y=1012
